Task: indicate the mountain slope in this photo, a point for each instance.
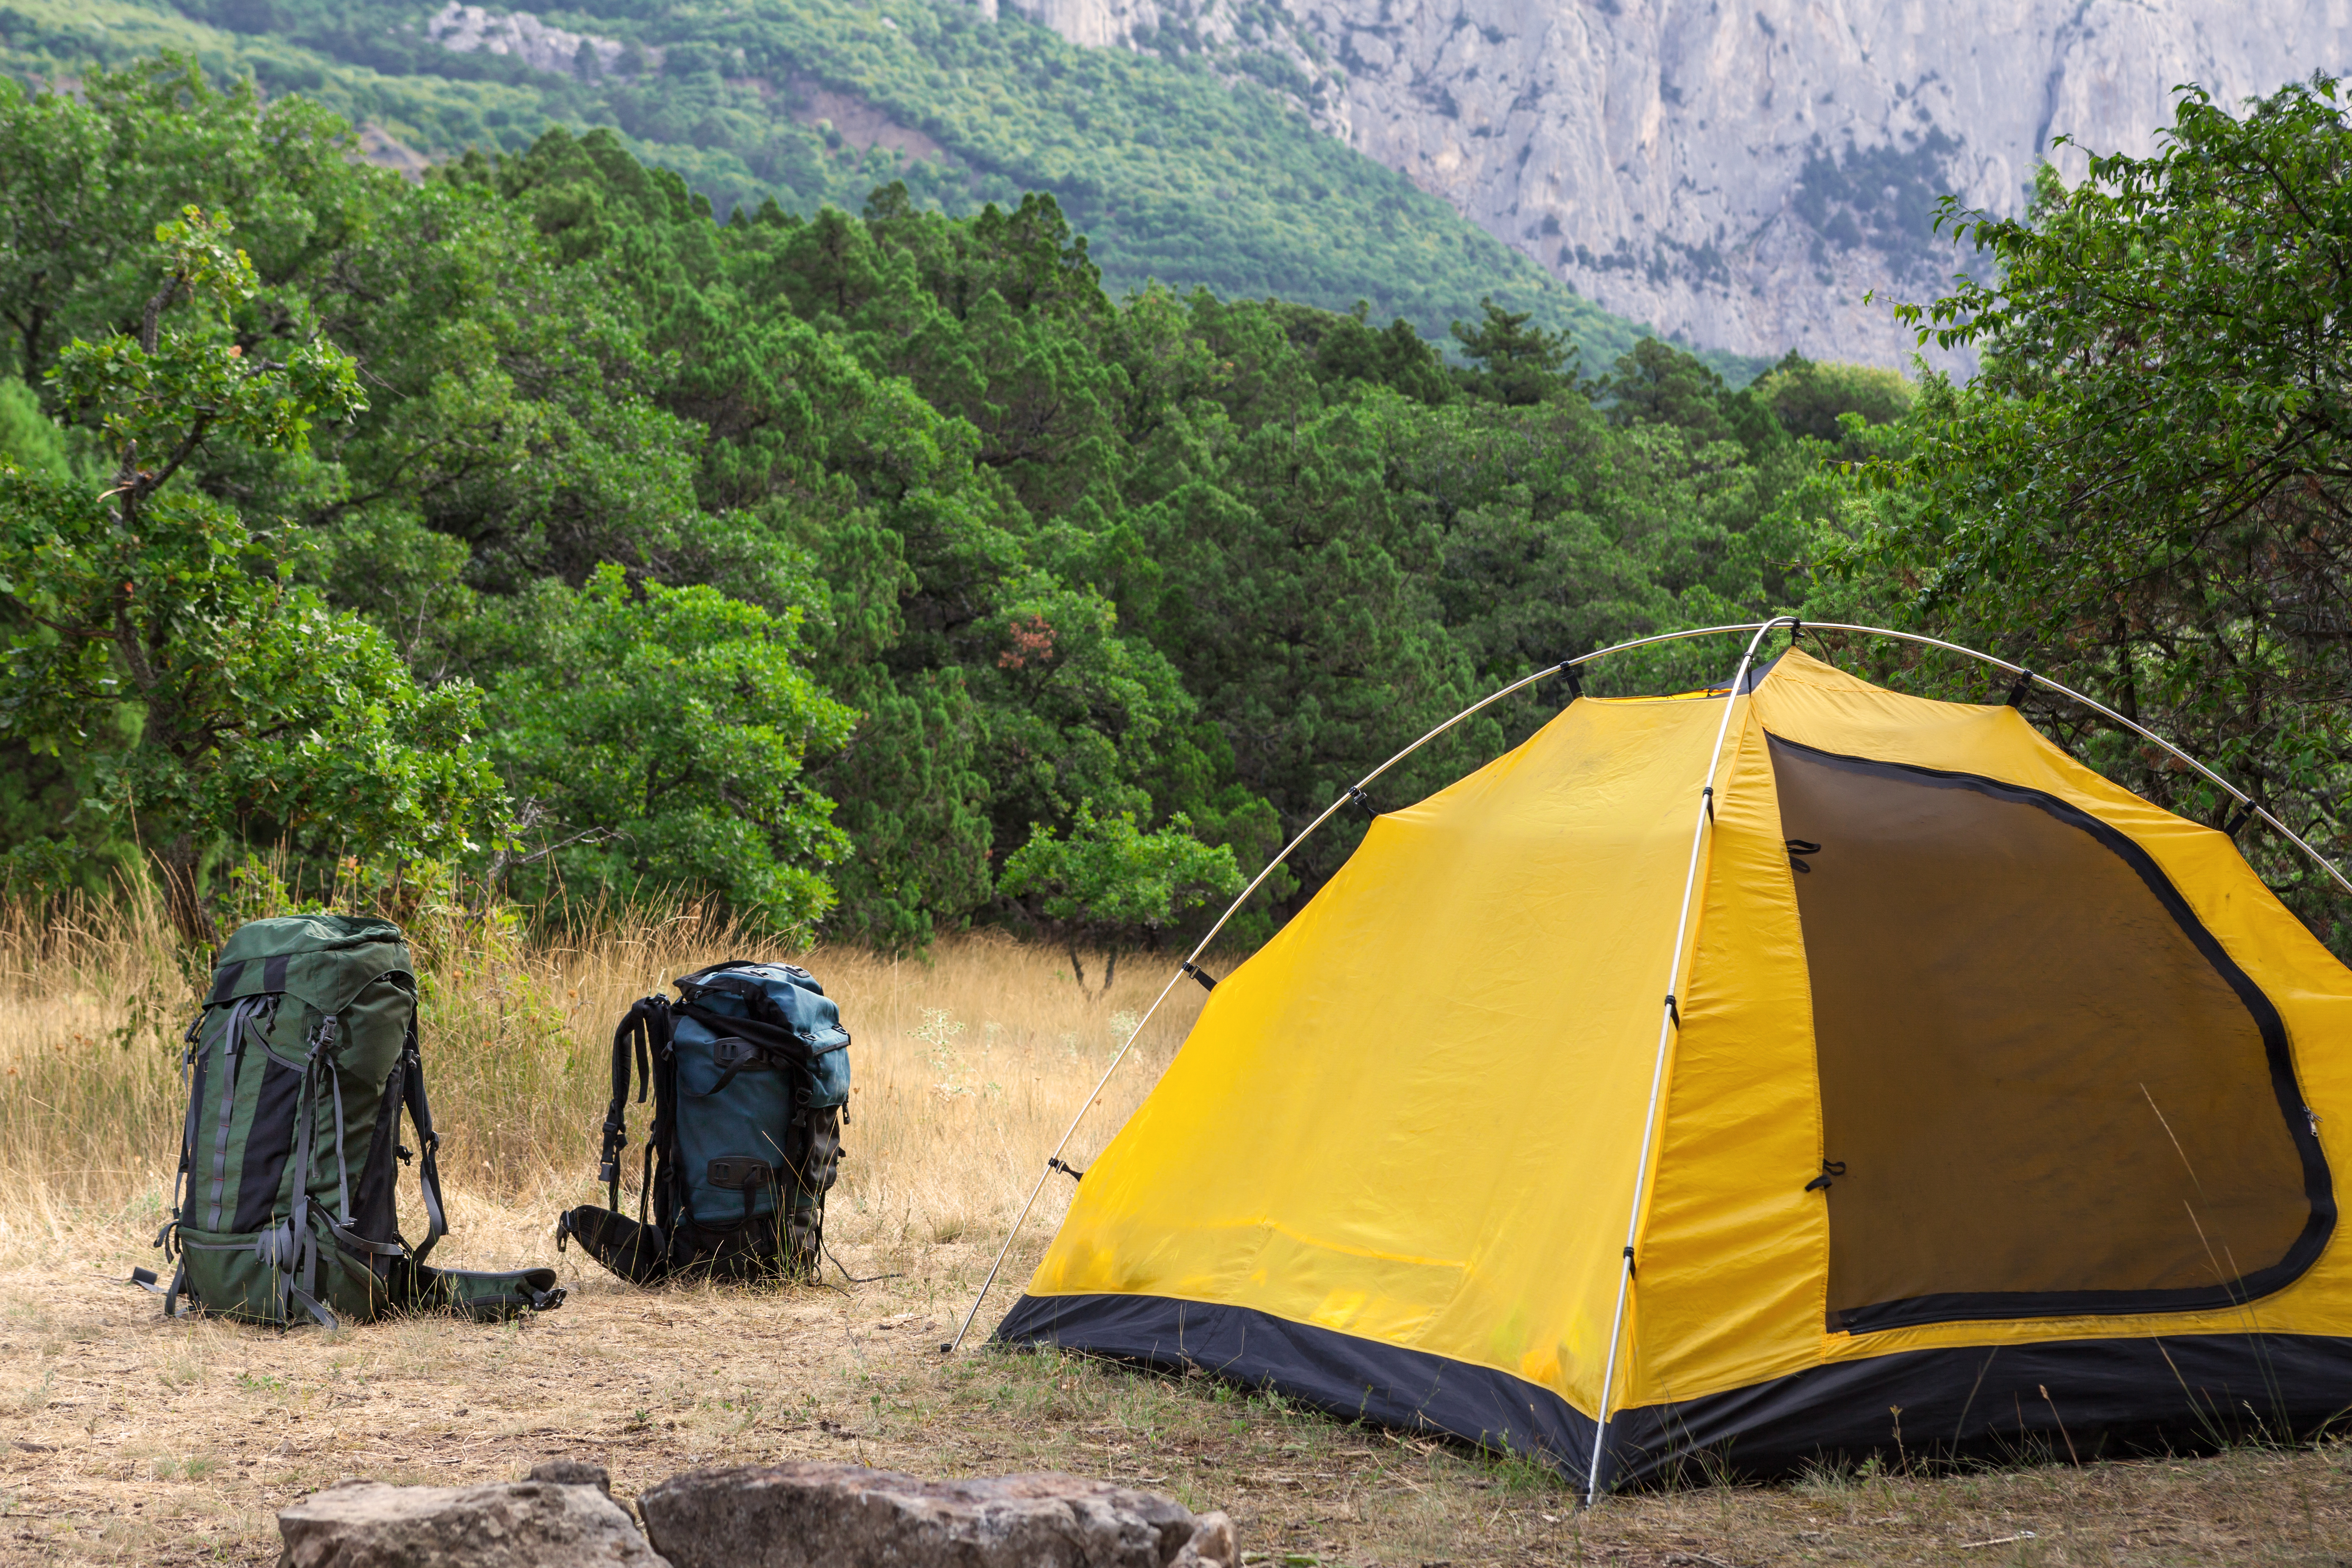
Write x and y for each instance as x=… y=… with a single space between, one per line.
x=1174 y=171
x=1743 y=175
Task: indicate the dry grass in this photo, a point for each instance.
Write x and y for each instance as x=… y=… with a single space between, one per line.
x=969 y=1064
x=127 y=1438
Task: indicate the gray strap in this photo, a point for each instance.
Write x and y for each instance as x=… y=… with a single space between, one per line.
x=305 y=1245
x=361 y=1244
x=192 y=1084
x=232 y=1041
x=342 y=1163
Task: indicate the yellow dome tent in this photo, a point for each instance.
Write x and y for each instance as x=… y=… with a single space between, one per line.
x=1774 y=1073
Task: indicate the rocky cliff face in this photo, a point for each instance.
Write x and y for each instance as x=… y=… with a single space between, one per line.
x=1741 y=173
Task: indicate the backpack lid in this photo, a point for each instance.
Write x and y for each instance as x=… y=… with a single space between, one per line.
x=785 y=994
x=323 y=960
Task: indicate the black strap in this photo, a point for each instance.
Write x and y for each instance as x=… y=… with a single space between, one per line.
x=1575 y=679
x=2238 y=820
x=773 y=1038
x=1829 y=1168
x=1208 y=981
x=1070 y=1170
x=428 y=1168
x=2017 y=692
x=1357 y=797
x=648 y=1018
x=1673 y=1011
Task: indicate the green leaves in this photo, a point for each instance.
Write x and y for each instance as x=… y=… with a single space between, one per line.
x=1111 y=885
x=158 y=395
x=2147 y=492
x=670 y=726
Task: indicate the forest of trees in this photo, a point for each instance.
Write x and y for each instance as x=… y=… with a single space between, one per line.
x=528 y=528
x=1177 y=172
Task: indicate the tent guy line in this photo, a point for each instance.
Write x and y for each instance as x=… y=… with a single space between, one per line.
x=1757 y=629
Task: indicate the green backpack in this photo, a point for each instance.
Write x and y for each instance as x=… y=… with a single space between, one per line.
x=298 y=1070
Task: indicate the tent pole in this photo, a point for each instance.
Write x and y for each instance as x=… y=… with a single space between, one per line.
x=1194 y=958
x=2136 y=727
x=1669 y=1020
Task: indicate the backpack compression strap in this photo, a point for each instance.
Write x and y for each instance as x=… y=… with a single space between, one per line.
x=428 y=1167
x=645 y=1026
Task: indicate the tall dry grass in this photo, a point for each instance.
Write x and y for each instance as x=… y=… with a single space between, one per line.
x=968 y=1063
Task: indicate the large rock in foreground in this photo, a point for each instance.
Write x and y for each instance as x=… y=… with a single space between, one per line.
x=524 y=1524
x=803 y=1514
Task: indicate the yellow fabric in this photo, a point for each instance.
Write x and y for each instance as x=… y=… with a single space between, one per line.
x=1734 y=1252
x=1414 y=1116
x=1360 y=1136
x=1808 y=701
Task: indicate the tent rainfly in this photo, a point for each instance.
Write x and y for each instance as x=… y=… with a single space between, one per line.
x=1989 y=1108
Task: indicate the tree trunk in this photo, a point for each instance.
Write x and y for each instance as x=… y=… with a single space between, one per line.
x=1111 y=969
x=1076 y=968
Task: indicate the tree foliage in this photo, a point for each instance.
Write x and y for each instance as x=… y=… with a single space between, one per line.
x=820 y=565
x=1109 y=885
x=152 y=635
x=2147 y=492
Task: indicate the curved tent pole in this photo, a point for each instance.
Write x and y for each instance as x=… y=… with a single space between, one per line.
x=2136 y=727
x=1669 y=1022
x=1192 y=962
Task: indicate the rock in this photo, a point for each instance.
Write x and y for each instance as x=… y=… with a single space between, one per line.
x=573 y=1473
x=1743 y=174
x=521 y=1524
x=803 y=1514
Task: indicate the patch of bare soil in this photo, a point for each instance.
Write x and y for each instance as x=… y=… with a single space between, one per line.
x=862 y=124
x=125 y=1439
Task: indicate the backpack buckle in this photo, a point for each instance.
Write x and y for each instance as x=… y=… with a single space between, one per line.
x=733 y=1054
x=739 y=1174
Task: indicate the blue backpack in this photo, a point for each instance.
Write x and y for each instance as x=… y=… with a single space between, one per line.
x=748 y=1072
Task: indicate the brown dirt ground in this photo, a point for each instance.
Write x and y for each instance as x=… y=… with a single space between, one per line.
x=125 y=1438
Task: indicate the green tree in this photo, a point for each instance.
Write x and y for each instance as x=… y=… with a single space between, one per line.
x=1811 y=396
x=1513 y=362
x=155 y=636
x=2147 y=492
x=662 y=734
x=1113 y=887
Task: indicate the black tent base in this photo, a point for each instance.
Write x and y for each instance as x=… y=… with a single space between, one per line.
x=2060 y=1400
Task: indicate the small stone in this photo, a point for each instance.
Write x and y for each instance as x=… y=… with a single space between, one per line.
x=804 y=1513
x=521 y=1524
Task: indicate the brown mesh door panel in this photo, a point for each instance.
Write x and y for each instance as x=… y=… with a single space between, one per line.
x=2050 y=1090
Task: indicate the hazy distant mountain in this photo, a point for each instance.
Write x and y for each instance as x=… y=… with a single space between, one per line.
x=1740 y=173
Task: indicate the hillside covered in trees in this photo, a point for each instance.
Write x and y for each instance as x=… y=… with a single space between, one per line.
x=527 y=529
x=1175 y=173
x=815 y=565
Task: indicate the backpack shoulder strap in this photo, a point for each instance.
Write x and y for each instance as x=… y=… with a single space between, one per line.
x=643 y=1029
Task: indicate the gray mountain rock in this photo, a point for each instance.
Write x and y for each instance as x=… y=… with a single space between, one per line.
x=1741 y=174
